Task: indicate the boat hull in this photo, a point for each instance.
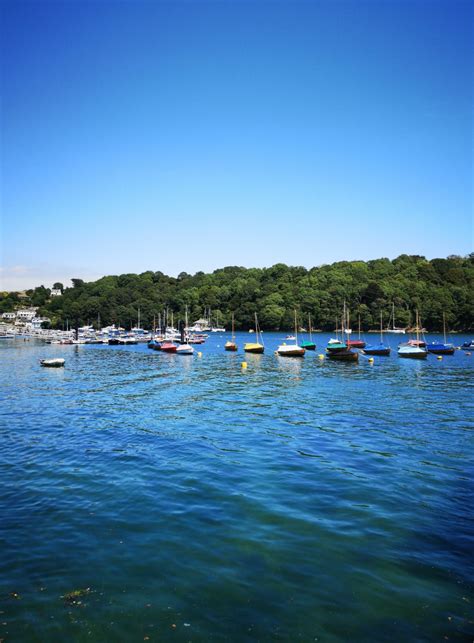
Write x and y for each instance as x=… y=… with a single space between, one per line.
x=167 y=347
x=440 y=349
x=52 y=363
x=185 y=349
x=230 y=346
x=377 y=350
x=291 y=351
x=343 y=356
x=355 y=343
x=309 y=346
x=415 y=353
x=254 y=348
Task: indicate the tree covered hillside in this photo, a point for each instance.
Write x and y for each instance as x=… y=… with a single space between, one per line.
x=410 y=282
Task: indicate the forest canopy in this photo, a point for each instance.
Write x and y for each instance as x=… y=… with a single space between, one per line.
x=409 y=282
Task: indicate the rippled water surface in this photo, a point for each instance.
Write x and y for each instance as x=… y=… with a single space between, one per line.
x=196 y=501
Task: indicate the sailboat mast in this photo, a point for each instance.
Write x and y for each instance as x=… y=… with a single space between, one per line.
x=444 y=327
x=309 y=324
x=296 y=329
x=233 y=330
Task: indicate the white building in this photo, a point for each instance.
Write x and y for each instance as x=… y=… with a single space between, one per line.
x=35 y=323
x=10 y=316
x=26 y=314
x=56 y=292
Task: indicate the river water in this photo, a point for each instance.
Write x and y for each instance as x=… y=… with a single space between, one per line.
x=193 y=500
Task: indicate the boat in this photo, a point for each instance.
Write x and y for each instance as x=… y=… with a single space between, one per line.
x=415 y=352
x=468 y=346
x=168 y=347
x=231 y=345
x=290 y=338
x=127 y=340
x=309 y=345
x=185 y=348
x=345 y=355
x=438 y=348
x=413 y=348
x=356 y=343
x=380 y=348
x=255 y=347
x=291 y=350
x=338 y=349
x=53 y=363
x=398 y=331
x=217 y=328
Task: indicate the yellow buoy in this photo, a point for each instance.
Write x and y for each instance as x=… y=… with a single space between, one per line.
x=199 y=354
x=244 y=364
x=440 y=357
x=321 y=356
x=371 y=360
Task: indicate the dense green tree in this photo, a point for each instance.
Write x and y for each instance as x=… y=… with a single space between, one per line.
x=442 y=286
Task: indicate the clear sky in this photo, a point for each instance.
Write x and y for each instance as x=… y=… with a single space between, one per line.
x=192 y=135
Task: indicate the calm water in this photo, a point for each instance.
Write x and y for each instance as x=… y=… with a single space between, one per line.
x=296 y=500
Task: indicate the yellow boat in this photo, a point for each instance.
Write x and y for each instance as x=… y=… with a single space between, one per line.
x=255 y=347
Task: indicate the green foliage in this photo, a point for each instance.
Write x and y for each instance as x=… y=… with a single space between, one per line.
x=437 y=287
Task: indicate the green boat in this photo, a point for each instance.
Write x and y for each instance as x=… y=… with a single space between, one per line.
x=310 y=345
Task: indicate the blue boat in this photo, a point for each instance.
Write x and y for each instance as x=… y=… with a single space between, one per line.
x=468 y=346
x=438 y=348
x=380 y=348
x=377 y=349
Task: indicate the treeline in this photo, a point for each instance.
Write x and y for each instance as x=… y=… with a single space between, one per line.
x=410 y=282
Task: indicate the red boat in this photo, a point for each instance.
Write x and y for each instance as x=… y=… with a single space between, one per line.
x=168 y=347
x=355 y=343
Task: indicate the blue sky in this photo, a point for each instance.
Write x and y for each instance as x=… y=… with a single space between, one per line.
x=192 y=135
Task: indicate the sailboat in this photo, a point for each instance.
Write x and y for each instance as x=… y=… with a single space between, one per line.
x=309 y=346
x=437 y=347
x=413 y=348
x=399 y=331
x=339 y=350
x=356 y=343
x=291 y=350
x=184 y=348
x=381 y=348
x=231 y=345
x=255 y=347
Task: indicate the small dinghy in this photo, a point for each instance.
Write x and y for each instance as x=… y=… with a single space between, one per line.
x=53 y=363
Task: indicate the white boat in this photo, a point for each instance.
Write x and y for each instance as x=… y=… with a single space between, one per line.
x=185 y=349
x=217 y=328
x=412 y=348
x=291 y=350
x=408 y=350
x=54 y=363
x=394 y=330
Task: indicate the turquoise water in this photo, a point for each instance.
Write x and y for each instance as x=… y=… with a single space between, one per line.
x=295 y=500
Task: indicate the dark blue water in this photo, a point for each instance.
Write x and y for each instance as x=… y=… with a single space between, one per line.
x=195 y=501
